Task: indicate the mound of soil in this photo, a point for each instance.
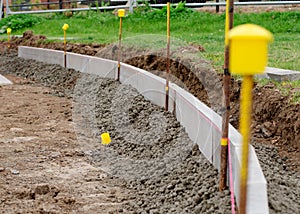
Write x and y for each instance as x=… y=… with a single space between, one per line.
x=29 y=39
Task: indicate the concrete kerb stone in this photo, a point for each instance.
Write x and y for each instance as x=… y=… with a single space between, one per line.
x=4 y=81
x=280 y=75
x=78 y=62
x=195 y=123
x=256 y=184
x=149 y=85
x=42 y=55
x=207 y=126
x=90 y=65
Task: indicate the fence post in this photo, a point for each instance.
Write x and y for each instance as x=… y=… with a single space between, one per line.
x=2 y=11
x=60 y=4
x=7 y=9
x=217 y=7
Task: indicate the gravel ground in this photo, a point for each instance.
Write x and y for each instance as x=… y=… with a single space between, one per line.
x=283 y=184
x=162 y=168
x=150 y=150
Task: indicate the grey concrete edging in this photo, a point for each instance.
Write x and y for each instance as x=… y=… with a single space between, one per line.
x=281 y=75
x=42 y=55
x=202 y=124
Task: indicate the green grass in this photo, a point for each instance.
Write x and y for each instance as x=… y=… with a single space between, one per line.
x=187 y=26
x=285 y=26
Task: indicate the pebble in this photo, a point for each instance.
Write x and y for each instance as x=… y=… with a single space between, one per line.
x=55 y=154
x=14 y=172
x=42 y=189
x=16 y=130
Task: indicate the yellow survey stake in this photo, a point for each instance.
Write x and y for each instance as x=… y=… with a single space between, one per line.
x=8 y=30
x=65 y=27
x=121 y=12
x=105 y=138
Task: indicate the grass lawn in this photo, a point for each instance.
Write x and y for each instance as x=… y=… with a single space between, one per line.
x=187 y=26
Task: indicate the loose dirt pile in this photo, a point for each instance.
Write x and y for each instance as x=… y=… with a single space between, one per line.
x=29 y=39
x=165 y=171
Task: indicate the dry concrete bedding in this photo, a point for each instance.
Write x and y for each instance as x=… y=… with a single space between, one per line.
x=150 y=151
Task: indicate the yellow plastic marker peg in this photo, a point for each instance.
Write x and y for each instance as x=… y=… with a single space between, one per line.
x=105 y=138
x=8 y=30
x=121 y=12
x=248 y=49
x=248 y=46
x=65 y=27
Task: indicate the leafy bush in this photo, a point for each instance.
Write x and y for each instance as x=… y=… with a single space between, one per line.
x=16 y=22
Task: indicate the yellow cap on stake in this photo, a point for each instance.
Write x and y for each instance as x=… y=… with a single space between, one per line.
x=248 y=45
x=105 y=138
x=8 y=30
x=65 y=27
x=121 y=12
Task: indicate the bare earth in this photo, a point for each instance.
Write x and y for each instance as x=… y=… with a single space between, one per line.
x=42 y=169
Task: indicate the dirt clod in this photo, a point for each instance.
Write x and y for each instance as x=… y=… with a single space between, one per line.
x=42 y=189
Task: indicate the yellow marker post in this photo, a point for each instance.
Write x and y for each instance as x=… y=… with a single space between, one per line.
x=121 y=14
x=105 y=138
x=8 y=30
x=65 y=27
x=168 y=57
x=248 y=56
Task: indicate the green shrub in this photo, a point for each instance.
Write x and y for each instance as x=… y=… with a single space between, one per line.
x=16 y=22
